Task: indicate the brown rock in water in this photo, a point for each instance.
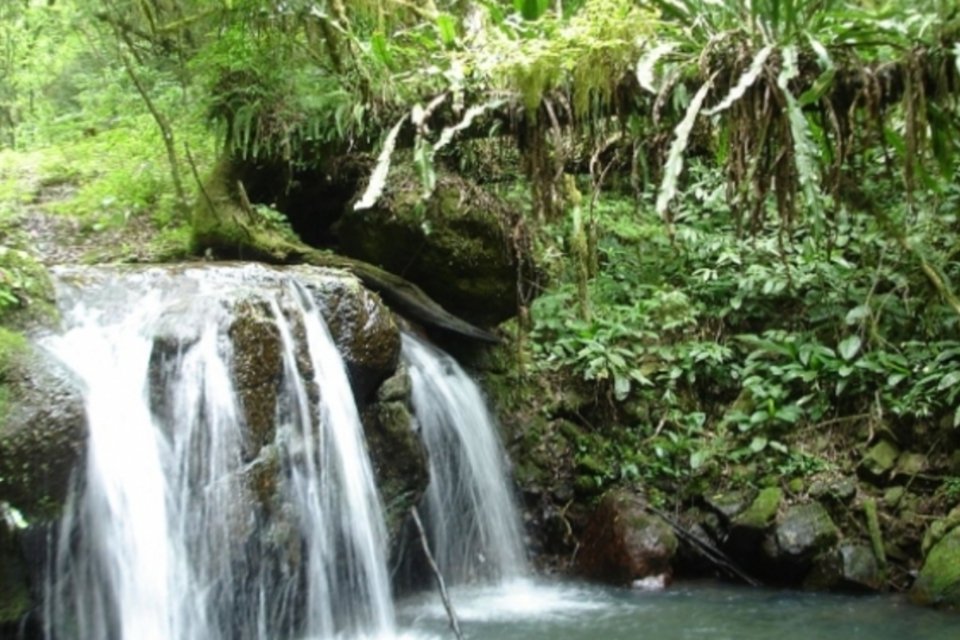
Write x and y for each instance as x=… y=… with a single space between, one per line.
x=624 y=543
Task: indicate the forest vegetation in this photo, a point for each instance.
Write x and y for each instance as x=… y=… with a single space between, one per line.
x=740 y=219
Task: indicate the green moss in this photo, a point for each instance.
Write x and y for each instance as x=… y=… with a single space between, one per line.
x=26 y=291
x=12 y=344
x=762 y=511
x=939 y=579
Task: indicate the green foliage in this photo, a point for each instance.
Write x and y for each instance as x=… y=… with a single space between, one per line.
x=717 y=350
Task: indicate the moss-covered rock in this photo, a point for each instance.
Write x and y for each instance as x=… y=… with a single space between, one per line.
x=805 y=530
x=399 y=457
x=42 y=430
x=761 y=512
x=15 y=601
x=880 y=459
x=939 y=579
x=456 y=245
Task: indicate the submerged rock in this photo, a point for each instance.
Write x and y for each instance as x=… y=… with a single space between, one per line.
x=624 y=543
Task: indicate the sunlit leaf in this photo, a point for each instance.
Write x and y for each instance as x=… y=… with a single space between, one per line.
x=849 y=347
x=674 y=164
x=745 y=82
x=378 y=179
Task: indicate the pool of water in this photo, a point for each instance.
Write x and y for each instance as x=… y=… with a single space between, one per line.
x=572 y=611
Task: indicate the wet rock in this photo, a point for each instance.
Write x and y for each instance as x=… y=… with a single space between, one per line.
x=15 y=601
x=880 y=459
x=397 y=453
x=761 y=512
x=730 y=504
x=939 y=580
x=456 y=246
x=42 y=432
x=624 y=543
x=805 y=530
x=257 y=363
x=850 y=567
x=841 y=490
x=362 y=327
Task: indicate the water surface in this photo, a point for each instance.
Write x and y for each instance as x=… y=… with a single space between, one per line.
x=571 y=611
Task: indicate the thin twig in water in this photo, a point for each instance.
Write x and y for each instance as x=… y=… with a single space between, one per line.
x=451 y=614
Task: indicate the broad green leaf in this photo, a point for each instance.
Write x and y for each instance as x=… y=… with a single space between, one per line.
x=447 y=26
x=857 y=314
x=674 y=164
x=531 y=9
x=849 y=347
x=621 y=387
x=949 y=380
x=697 y=458
x=758 y=444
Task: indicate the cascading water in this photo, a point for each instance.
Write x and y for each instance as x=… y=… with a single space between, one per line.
x=471 y=515
x=168 y=535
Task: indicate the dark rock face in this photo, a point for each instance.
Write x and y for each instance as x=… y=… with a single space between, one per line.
x=624 y=543
x=456 y=246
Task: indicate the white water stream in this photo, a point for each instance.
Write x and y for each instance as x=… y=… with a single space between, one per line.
x=469 y=510
x=163 y=539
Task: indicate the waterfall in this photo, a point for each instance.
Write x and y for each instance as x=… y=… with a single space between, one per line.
x=471 y=516
x=173 y=531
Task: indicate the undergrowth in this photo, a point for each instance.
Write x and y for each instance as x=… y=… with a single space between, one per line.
x=714 y=355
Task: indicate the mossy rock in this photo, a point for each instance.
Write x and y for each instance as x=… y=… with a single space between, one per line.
x=456 y=245
x=762 y=511
x=398 y=456
x=42 y=429
x=26 y=291
x=880 y=459
x=805 y=530
x=15 y=600
x=939 y=580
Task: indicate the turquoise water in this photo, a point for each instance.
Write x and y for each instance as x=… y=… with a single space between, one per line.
x=572 y=611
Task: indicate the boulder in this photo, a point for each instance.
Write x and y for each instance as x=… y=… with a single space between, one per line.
x=850 y=567
x=43 y=428
x=805 y=530
x=457 y=245
x=624 y=543
x=939 y=580
x=880 y=459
